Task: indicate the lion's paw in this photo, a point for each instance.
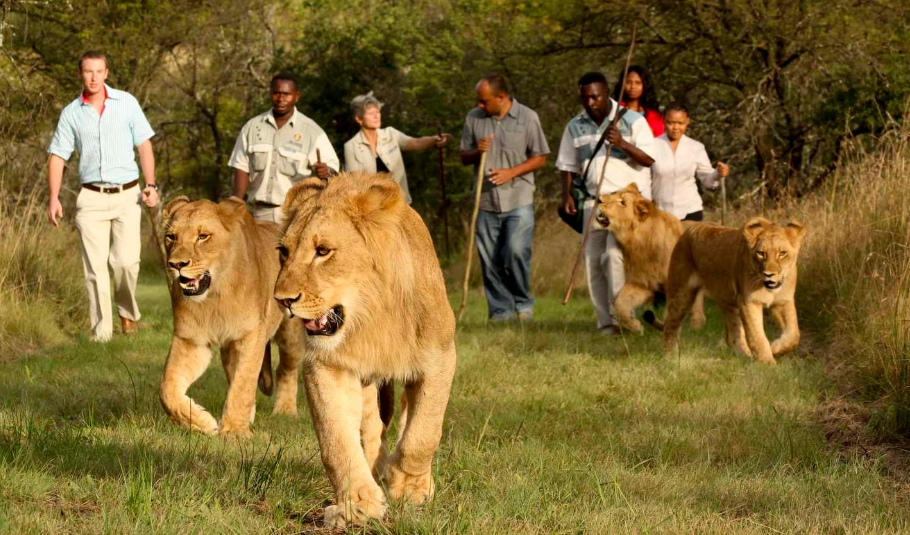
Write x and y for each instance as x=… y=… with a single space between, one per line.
x=363 y=505
x=411 y=489
x=235 y=431
x=288 y=408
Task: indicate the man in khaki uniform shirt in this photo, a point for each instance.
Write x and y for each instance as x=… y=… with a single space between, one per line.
x=277 y=149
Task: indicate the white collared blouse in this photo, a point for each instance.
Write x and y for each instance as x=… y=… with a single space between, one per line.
x=673 y=175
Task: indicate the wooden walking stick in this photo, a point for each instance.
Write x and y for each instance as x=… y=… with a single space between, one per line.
x=445 y=201
x=723 y=200
x=467 y=267
x=603 y=172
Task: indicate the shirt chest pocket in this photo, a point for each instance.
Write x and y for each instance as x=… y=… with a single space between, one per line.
x=259 y=156
x=516 y=138
x=291 y=162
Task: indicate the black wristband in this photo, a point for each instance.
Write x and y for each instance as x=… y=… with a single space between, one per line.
x=153 y=186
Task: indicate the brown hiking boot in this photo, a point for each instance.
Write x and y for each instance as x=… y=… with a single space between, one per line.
x=129 y=326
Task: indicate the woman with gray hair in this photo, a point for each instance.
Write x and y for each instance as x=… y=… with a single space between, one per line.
x=378 y=150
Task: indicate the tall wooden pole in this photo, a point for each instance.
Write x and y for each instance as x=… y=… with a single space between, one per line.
x=467 y=267
x=445 y=201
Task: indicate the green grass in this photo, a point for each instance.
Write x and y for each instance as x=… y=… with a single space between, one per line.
x=551 y=428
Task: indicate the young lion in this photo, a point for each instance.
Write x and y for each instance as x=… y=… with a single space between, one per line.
x=647 y=235
x=744 y=271
x=359 y=267
x=223 y=265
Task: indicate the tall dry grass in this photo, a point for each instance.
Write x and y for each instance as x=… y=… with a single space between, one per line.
x=42 y=290
x=855 y=275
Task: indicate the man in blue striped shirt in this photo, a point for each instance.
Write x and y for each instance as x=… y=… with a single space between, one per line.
x=104 y=125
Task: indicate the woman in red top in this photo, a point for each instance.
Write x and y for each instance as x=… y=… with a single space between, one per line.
x=641 y=96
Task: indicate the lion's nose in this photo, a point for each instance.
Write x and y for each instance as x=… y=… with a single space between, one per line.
x=768 y=275
x=287 y=302
x=178 y=265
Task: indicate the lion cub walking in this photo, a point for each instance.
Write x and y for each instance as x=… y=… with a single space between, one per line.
x=647 y=235
x=745 y=271
x=360 y=268
x=223 y=265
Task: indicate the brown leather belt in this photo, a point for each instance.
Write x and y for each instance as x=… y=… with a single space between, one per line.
x=112 y=189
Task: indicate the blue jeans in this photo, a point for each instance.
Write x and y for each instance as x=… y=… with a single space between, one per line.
x=504 y=241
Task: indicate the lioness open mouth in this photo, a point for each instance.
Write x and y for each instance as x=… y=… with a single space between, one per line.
x=771 y=285
x=603 y=219
x=197 y=286
x=326 y=324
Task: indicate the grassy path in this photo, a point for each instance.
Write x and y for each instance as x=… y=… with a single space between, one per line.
x=551 y=429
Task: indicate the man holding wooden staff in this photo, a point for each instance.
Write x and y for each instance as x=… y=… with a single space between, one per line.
x=630 y=159
x=277 y=149
x=511 y=135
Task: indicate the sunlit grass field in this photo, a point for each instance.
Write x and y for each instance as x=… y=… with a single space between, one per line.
x=551 y=428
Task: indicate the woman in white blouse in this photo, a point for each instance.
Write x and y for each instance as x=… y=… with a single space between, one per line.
x=678 y=160
x=378 y=150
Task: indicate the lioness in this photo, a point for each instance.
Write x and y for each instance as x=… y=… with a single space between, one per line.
x=358 y=265
x=744 y=271
x=647 y=235
x=223 y=267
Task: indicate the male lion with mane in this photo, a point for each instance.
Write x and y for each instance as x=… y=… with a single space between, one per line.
x=359 y=266
x=223 y=265
x=745 y=271
x=647 y=236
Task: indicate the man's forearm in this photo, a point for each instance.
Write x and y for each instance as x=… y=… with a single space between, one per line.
x=241 y=182
x=147 y=161
x=55 y=165
x=530 y=165
x=637 y=154
x=567 y=179
x=469 y=157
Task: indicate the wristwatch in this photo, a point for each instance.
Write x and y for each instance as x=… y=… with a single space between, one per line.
x=153 y=186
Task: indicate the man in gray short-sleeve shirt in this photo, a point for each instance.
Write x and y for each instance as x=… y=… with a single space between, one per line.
x=510 y=134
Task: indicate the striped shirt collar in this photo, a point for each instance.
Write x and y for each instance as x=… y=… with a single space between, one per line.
x=108 y=94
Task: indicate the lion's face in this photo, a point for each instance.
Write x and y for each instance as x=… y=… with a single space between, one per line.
x=326 y=260
x=197 y=238
x=623 y=209
x=773 y=249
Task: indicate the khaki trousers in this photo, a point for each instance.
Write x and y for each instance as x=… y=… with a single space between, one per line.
x=108 y=226
x=604 y=269
x=262 y=213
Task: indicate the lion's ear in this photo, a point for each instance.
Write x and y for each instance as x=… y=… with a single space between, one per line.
x=754 y=228
x=796 y=231
x=174 y=205
x=233 y=207
x=642 y=208
x=381 y=196
x=298 y=196
x=302 y=192
x=633 y=188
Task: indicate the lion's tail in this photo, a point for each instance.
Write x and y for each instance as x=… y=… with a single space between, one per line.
x=266 y=381
x=651 y=319
x=386 y=402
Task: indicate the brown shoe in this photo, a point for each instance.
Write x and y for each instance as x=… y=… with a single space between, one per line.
x=129 y=326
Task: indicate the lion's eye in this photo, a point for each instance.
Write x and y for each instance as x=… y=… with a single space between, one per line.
x=170 y=237
x=203 y=237
x=783 y=254
x=760 y=254
x=622 y=202
x=322 y=251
